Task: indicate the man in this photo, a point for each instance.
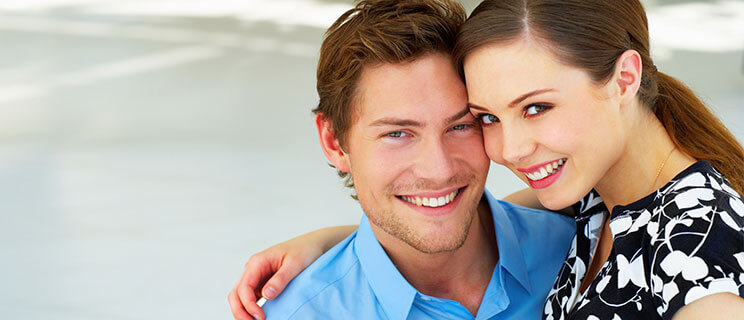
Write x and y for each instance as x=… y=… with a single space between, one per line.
x=393 y=119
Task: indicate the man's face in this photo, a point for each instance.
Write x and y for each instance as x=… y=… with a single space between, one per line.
x=416 y=153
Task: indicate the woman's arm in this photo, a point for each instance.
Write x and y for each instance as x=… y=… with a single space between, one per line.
x=268 y=272
x=527 y=198
x=716 y=306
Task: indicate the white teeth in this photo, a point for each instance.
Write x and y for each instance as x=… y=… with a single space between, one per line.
x=432 y=202
x=545 y=171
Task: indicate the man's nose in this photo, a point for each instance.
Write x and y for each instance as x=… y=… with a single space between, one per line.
x=435 y=161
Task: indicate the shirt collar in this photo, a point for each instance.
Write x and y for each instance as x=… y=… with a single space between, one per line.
x=393 y=291
x=510 y=250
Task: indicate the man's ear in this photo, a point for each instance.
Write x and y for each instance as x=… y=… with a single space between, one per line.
x=329 y=143
x=627 y=77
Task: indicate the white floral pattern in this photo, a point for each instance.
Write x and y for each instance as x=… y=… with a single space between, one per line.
x=683 y=242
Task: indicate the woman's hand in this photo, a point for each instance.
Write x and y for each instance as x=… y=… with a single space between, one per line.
x=268 y=272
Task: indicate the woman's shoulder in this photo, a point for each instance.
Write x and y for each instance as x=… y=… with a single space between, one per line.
x=696 y=239
x=699 y=190
x=695 y=203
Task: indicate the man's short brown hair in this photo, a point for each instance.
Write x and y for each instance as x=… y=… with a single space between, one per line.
x=376 y=32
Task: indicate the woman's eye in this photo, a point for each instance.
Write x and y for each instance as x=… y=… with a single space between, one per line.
x=535 y=109
x=460 y=127
x=488 y=119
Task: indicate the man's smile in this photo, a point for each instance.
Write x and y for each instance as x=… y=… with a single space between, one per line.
x=432 y=199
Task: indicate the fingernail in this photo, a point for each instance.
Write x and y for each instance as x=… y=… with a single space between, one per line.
x=269 y=292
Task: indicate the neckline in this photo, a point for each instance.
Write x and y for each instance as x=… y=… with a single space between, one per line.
x=646 y=201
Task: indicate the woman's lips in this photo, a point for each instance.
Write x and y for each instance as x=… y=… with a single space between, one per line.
x=543 y=170
x=545 y=176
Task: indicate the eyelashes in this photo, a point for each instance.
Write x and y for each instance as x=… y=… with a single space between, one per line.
x=535 y=109
x=395 y=134
x=459 y=129
x=487 y=118
x=528 y=111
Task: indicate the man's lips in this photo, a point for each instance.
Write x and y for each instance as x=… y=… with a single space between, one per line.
x=432 y=199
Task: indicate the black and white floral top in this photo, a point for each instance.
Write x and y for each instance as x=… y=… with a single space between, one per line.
x=681 y=243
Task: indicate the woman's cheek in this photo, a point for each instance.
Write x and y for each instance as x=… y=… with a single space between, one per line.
x=492 y=144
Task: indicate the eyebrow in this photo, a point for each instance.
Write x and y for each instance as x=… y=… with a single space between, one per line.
x=476 y=107
x=527 y=95
x=389 y=121
x=513 y=103
x=396 y=122
x=459 y=115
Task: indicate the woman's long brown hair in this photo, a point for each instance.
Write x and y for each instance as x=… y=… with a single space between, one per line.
x=591 y=35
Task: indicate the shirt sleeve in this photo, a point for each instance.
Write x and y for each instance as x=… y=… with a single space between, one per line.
x=697 y=248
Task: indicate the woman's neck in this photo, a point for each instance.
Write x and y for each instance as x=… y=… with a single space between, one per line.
x=649 y=161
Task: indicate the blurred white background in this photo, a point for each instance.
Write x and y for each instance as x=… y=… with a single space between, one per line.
x=149 y=147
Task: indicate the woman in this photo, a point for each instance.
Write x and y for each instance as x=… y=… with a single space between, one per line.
x=571 y=102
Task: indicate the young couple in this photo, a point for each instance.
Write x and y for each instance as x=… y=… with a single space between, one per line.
x=565 y=95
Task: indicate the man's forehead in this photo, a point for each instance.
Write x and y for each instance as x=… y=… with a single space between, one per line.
x=410 y=89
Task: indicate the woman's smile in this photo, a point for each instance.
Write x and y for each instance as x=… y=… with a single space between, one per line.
x=545 y=174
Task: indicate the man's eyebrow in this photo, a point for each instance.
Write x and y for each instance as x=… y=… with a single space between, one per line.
x=527 y=95
x=396 y=122
x=390 y=121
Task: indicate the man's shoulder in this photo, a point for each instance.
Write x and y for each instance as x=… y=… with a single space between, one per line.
x=536 y=221
x=544 y=236
x=326 y=288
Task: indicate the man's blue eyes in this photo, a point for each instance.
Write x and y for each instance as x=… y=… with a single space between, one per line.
x=396 y=134
x=401 y=134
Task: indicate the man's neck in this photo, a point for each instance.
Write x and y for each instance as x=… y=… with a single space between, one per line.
x=461 y=275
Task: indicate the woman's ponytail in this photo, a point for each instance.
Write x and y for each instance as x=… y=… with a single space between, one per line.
x=696 y=131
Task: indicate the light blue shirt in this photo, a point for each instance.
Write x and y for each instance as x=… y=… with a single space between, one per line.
x=357 y=280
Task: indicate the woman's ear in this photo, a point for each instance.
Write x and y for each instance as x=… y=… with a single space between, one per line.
x=331 y=147
x=627 y=76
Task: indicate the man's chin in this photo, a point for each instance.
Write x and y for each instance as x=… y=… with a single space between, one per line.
x=435 y=247
x=426 y=236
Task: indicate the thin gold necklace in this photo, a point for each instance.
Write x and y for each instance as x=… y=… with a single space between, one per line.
x=663 y=163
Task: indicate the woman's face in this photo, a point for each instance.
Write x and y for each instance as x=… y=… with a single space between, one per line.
x=546 y=121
